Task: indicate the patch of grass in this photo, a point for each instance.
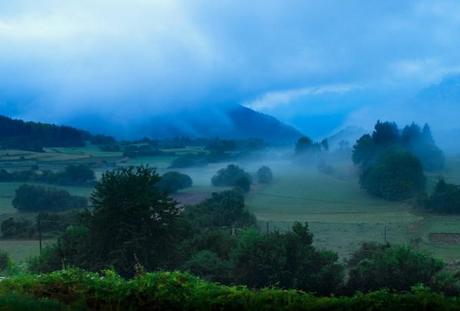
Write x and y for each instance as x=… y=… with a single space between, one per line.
x=21 y=250
x=341 y=215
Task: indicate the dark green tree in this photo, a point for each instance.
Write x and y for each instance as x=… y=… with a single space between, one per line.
x=385 y=134
x=397 y=175
x=223 y=209
x=286 y=260
x=132 y=222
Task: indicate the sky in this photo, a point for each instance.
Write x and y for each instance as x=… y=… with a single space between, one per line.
x=318 y=65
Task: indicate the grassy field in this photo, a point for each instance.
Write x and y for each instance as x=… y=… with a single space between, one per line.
x=342 y=216
x=339 y=213
x=21 y=250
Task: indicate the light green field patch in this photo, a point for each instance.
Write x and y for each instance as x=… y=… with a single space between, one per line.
x=21 y=250
x=89 y=150
x=307 y=195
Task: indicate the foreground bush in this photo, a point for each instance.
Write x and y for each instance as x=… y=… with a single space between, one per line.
x=178 y=291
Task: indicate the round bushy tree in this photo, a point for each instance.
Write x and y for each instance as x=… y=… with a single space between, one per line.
x=172 y=182
x=232 y=176
x=264 y=175
x=397 y=175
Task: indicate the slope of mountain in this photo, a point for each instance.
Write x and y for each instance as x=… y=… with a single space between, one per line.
x=205 y=122
x=347 y=135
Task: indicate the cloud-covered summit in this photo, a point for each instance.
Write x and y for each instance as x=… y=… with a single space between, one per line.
x=62 y=60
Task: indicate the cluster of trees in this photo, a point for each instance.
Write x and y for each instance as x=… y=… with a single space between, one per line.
x=219 y=150
x=29 y=198
x=306 y=146
x=387 y=136
x=72 y=175
x=134 y=227
x=172 y=182
x=392 y=161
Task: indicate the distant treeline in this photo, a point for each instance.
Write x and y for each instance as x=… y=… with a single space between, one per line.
x=34 y=136
x=72 y=175
x=17 y=134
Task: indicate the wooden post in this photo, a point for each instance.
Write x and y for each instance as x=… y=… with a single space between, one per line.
x=385 y=233
x=39 y=229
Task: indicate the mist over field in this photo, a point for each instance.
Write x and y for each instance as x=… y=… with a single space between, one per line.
x=222 y=155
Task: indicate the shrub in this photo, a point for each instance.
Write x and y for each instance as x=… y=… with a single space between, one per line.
x=225 y=208
x=171 y=182
x=180 y=291
x=232 y=176
x=286 y=260
x=264 y=175
x=394 y=267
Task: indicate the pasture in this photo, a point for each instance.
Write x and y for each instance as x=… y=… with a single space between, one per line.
x=339 y=213
x=342 y=216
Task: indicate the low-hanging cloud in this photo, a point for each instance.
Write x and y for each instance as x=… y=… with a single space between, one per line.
x=136 y=58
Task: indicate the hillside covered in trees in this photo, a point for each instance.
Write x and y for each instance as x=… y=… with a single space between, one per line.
x=19 y=134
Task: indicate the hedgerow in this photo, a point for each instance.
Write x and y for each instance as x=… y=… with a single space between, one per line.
x=78 y=289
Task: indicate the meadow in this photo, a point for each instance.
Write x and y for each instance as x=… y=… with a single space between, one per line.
x=339 y=213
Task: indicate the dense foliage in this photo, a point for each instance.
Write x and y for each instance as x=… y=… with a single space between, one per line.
x=223 y=209
x=131 y=220
x=444 y=199
x=29 y=198
x=398 y=268
x=131 y=223
x=172 y=182
x=232 y=176
x=177 y=291
x=396 y=175
x=286 y=260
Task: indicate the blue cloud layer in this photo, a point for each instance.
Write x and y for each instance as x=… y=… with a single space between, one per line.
x=62 y=59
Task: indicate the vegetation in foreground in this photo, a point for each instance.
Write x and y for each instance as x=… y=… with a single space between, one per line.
x=77 y=289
